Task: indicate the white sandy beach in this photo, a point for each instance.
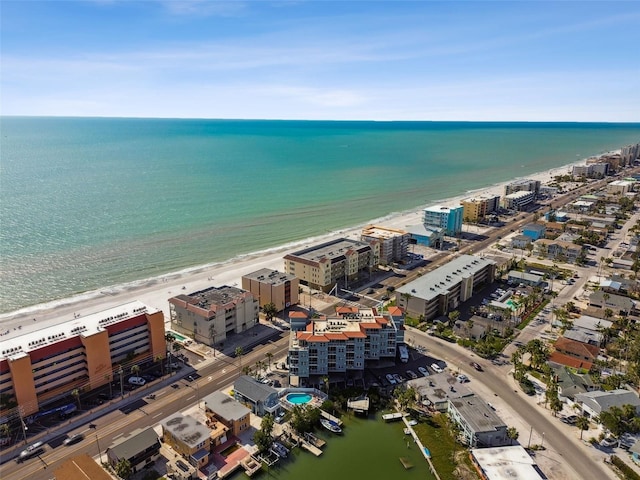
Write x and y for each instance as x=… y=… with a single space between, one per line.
x=155 y=292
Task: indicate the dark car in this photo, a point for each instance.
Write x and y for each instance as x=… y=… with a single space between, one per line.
x=476 y=365
x=78 y=437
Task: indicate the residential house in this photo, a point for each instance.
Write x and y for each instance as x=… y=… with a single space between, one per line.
x=521 y=242
x=234 y=415
x=435 y=391
x=574 y=354
x=80 y=467
x=617 y=303
x=531 y=279
x=502 y=463
x=534 y=231
x=570 y=383
x=588 y=329
x=259 y=397
x=594 y=403
x=479 y=425
x=558 y=250
x=140 y=448
x=188 y=437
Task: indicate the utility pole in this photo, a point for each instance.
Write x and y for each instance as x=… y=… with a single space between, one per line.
x=121 y=372
x=99 y=451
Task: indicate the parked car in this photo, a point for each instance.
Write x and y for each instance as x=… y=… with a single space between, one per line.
x=462 y=378
x=138 y=381
x=399 y=378
x=436 y=368
x=78 y=437
x=570 y=420
x=411 y=374
x=391 y=379
x=476 y=365
x=423 y=371
x=280 y=417
x=608 y=442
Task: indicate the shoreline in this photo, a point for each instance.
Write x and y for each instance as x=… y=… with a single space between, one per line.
x=155 y=291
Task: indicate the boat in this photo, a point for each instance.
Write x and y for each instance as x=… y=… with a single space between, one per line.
x=330 y=425
x=407 y=431
x=391 y=417
x=427 y=453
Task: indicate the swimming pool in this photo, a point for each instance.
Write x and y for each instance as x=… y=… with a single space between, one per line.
x=298 y=398
x=178 y=337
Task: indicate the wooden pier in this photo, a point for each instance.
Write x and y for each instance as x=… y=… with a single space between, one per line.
x=392 y=417
x=308 y=446
x=359 y=404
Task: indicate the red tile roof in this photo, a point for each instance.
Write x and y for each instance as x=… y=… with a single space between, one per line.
x=569 y=361
x=576 y=349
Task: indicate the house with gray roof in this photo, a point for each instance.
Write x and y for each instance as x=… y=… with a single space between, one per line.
x=617 y=303
x=446 y=288
x=260 y=397
x=594 y=403
x=233 y=414
x=140 y=448
x=569 y=383
x=479 y=425
x=187 y=436
x=531 y=279
x=435 y=391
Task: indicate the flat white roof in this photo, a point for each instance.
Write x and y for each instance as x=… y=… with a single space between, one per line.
x=16 y=343
x=506 y=463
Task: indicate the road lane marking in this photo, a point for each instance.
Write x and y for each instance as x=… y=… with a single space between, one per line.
x=157 y=415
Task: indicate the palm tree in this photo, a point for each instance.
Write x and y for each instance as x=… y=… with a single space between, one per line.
x=453 y=317
x=239 y=351
x=325 y=380
x=4 y=430
x=270 y=310
x=583 y=424
x=512 y=434
x=269 y=358
x=135 y=370
x=159 y=359
x=75 y=393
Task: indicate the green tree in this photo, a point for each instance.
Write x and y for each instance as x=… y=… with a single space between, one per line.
x=262 y=437
x=512 y=434
x=270 y=310
x=135 y=370
x=239 y=352
x=583 y=424
x=124 y=468
x=75 y=393
x=405 y=397
x=453 y=317
x=620 y=420
x=269 y=358
x=5 y=430
x=538 y=351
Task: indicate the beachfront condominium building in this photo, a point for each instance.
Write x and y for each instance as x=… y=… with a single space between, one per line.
x=475 y=209
x=210 y=315
x=518 y=200
x=271 y=286
x=593 y=170
x=338 y=261
x=524 y=185
x=341 y=345
x=447 y=218
x=438 y=292
x=393 y=243
x=630 y=153
x=41 y=366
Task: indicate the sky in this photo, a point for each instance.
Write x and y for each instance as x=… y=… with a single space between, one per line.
x=322 y=60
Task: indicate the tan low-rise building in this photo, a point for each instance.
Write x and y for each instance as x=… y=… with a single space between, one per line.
x=210 y=315
x=393 y=243
x=271 y=286
x=561 y=251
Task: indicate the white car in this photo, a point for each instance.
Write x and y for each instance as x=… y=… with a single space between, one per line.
x=423 y=371
x=436 y=368
x=390 y=379
x=462 y=378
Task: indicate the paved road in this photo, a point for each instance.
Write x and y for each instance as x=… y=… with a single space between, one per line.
x=143 y=413
x=498 y=380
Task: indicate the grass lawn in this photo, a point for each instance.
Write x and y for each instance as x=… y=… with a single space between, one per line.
x=446 y=453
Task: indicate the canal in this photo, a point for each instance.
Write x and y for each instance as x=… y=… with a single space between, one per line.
x=368 y=448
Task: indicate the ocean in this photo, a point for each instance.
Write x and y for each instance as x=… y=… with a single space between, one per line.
x=88 y=203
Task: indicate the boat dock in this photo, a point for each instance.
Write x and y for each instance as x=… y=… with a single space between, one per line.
x=424 y=450
x=359 y=404
x=307 y=445
x=392 y=417
x=328 y=416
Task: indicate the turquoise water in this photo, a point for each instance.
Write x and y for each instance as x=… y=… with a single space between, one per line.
x=298 y=398
x=88 y=203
